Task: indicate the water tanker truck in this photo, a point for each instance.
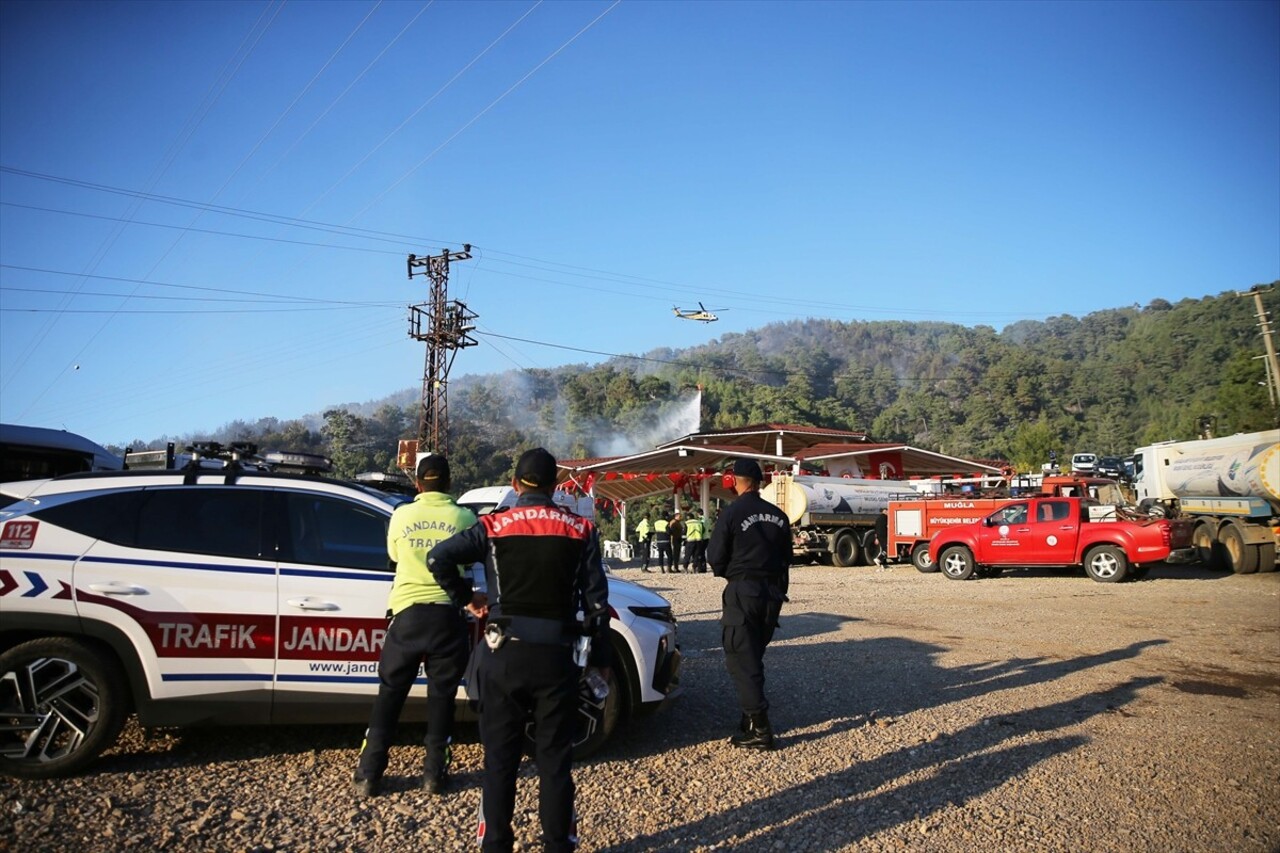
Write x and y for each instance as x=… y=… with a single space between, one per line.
x=833 y=517
x=1228 y=487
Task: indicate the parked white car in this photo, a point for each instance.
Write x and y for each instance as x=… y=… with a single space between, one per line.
x=223 y=596
x=1083 y=463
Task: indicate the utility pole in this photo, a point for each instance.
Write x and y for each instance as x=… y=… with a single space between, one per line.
x=1264 y=323
x=446 y=328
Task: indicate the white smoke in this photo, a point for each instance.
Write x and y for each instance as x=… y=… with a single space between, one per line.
x=669 y=421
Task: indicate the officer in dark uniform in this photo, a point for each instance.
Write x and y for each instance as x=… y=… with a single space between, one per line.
x=750 y=547
x=882 y=537
x=675 y=529
x=543 y=565
x=426 y=626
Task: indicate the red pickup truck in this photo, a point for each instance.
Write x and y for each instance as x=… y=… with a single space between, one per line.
x=1056 y=531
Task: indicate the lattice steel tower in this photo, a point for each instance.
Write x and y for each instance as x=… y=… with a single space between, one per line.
x=446 y=327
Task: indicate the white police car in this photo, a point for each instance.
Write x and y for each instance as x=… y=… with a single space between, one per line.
x=223 y=596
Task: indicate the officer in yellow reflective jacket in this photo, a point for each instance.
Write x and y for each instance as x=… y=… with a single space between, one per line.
x=695 y=543
x=644 y=533
x=662 y=539
x=426 y=627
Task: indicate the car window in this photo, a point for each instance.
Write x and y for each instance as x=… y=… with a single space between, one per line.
x=1014 y=514
x=224 y=522
x=1054 y=511
x=111 y=516
x=328 y=531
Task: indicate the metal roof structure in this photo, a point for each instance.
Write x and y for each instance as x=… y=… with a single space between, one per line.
x=700 y=460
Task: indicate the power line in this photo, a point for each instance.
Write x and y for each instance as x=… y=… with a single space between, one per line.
x=9 y=288
x=413 y=115
x=202 y=230
x=496 y=256
x=481 y=114
x=193 y=122
x=282 y=296
x=180 y=311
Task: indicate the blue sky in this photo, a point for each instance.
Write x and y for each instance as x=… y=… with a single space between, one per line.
x=977 y=163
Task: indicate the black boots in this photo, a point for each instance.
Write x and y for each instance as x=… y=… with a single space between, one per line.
x=755 y=732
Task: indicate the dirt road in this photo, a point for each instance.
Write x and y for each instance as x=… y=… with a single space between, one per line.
x=1031 y=712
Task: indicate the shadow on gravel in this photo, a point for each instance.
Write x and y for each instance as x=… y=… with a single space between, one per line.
x=831 y=686
x=965 y=765
x=210 y=745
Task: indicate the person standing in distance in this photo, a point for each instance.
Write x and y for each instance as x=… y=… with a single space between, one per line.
x=695 y=544
x=426 y=626
x=544 y=566
x=675 y=529
x=662 y=541
x=750 y=547
x=644 y=535
x=882 y=537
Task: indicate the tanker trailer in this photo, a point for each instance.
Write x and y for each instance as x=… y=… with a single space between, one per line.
x=1229 y=487
x=834 y=517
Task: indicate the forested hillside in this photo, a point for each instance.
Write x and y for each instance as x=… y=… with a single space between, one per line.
x=1105 y=383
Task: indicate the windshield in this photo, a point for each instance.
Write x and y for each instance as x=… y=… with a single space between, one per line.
x=1109 y=494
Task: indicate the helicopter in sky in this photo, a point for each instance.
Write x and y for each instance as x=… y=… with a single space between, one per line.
x=702 y=315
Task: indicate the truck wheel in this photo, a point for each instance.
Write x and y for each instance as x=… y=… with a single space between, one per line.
x=957 y=563
x=1238 y=556
x=1266 y=556
x=1205 y=541
x=63 y=703
x=870 y=548
x=921 y=560
x=1106 y=564
x=844 y=549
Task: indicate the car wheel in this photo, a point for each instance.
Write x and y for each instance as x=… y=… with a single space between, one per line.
x=956 y=563
x=1106 y=564
x=844 y=549
x=62 y=704
x=921 y=560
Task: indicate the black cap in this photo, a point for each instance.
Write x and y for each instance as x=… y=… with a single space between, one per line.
x=749 y=468
x=536 y=469
x=433 y=469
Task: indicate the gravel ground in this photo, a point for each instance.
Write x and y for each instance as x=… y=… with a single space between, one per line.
x=1032 y=712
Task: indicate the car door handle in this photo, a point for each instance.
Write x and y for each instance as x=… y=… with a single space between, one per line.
x=309 y=603
x=117 y=588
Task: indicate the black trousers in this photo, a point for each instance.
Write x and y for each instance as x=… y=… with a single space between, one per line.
x=517 y=681
x=748 y=619
x=646 y=545
x=664 y=554
x=695 y=555
x=437 y=635
x=700 y=556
